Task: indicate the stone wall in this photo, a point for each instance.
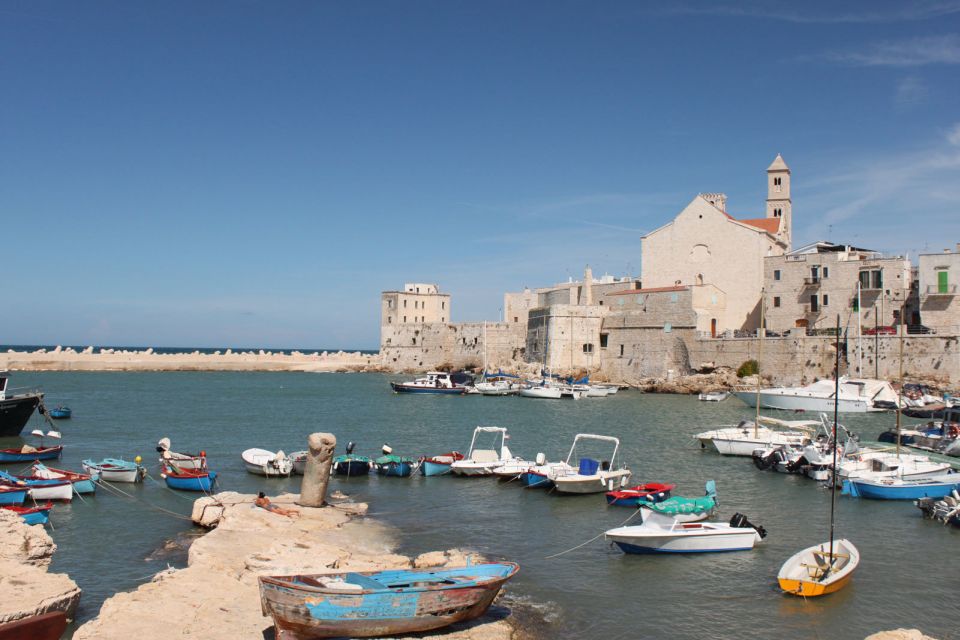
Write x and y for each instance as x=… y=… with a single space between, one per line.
x=461 y=345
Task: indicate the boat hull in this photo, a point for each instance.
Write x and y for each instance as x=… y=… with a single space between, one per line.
x=474 y=469
x=430 y=469
x=802 y=403
x=62 y=491
x=50 y=453
x=410 y=388
x=351 y=468
x=799 y=574
x=16 y=411
x=666 y=541
x=899 y=491
x=46 y=626
x=600 y=483
x=35 y=515
x=395 y=469
x=14 y=496
x=128 y=472
x=187 y=482
x=536 y=480
x=543 y=393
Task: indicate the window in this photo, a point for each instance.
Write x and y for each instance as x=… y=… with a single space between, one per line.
x=856 y=304
x=814 y=303
x=776 y=301
x=826 y=300
x=776 y=182
x=413 y=340
x=943 y=282
x=776 y=274
x=667 y=327
x=621 y=350
x=443 y=305
x=777 y=213
x=404 y=318
x=826 y=272
x=389 y=319
x=442 y=319
x=404 y=304
x=603 y=340
x=674 y=297
x=872 y=279
x=588 y=348
x=516 y=319
x=814 y=274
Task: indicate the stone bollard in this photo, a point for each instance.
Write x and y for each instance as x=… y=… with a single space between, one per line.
x=316 y=475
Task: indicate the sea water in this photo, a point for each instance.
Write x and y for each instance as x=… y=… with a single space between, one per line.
x=115 y=542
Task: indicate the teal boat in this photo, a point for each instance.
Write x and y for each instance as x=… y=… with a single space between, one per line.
x=685 y=509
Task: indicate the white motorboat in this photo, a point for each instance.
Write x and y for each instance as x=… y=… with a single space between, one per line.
x=871 y=464
x=542 y=391
x=714 y=396
x=748 y=436
x=482 y=462
x=590 y=476
x=266 y=463
x=115 y=470
x=597 y=391
x=501 y=387
x=574 y=392
x=663 y=534
x=857 y=395
x=436 y=382
x=299 y=459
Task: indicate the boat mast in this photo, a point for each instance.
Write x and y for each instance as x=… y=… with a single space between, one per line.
x=484 y=349
x=763 y=331
x=900 y=375
x=836 y=411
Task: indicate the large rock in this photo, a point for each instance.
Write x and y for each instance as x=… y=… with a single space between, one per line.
x=26 y=589
x=899 y=634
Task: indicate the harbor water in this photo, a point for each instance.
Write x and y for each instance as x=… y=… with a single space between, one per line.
x=114 y=542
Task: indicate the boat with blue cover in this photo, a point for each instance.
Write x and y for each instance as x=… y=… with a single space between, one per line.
x=26 y=453
x=900 y=488
x=82 y=482
x=12 y=495
x=116 y=469
x=40 y=488
x=393 y=465
x=439 y=465
x=351 y=464
x=60 y=413
x=380 y=603
x=39 y=514
x=189 y=479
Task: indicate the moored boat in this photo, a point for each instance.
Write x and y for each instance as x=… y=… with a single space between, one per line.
x=713 y=396
x=116 y=469
x=642 y=493
x=189 y=479
x=683 y=509
x=181 y=460
x=392 y=465
x=16 y=406
x=439 y=465
x=852 y=395
x=543 y=391
x=44 y=626
x=590 y=476
x=40 y=488
x=819 y=570
x=482 y=462
x=60 y=413
x=299 y=459
x=663 y=534
x=267 y=463
x=82 y=482
x=436 y=382
x=39 y=514
x=12 y=495
x=26 y=453
x=901 y=489
x=380 y=603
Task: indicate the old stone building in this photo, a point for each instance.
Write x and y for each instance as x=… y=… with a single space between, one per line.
x=807 y=288
x=939 y=291
x=706 y=245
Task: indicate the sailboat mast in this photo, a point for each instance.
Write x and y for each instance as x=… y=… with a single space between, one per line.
x=763 y=332
x=836 y=411
x=900 y=375
x=484 y=348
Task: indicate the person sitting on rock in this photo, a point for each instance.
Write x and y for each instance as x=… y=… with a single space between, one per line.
x=263 y=502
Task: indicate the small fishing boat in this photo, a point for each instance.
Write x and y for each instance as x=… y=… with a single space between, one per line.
x=439 y=465
x=827 y=567
x=189 y=479
x=82 y=482
x=380 y=603
x=115 y=469
x=351 y=464
x=901 y=489
x=750 y=435
x=683 y=509
x=181 y=460
x=820 y=569
x=393 y=465
x=26 y=453
x=299 y=461
x=436 y=382
x=663 y=534
x=267 y=463
x=642 y=493
x=45 y=626
x=60 y=413
x=591 y=476
x=539 y=476
x=713 y=396
x=40 y=488
x=39 y=514
x=482 y=462
x=12 y=495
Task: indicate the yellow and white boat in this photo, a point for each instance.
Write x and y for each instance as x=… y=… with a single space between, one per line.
x=816 y=572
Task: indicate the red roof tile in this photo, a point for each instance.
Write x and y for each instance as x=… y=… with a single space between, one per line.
x=770 y=225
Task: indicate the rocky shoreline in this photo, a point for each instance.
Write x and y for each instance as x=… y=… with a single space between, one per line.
x=216 y=596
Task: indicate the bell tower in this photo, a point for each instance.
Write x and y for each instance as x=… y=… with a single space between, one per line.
x=779 y=204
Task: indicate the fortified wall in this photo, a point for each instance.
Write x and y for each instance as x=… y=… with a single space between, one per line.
x=432 y=345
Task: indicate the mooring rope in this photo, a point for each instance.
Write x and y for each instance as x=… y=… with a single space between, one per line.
x=110 y=487
x=634 y=515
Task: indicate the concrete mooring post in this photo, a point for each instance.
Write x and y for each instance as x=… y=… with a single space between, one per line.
x=316 y=475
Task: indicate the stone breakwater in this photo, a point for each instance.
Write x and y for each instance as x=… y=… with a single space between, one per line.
x=91 y=359
x=217 y=596
x=26 y=588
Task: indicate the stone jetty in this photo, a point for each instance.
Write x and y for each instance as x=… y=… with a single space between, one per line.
x=217 y=597
x=26 y=587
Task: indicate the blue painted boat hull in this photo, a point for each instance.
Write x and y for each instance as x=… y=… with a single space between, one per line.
x=899 y=492
x=200 y=483
x=13 y=497
x=85 y=486
x=351 y=468
x=402 y=388
x=37 y=517
x=434 y=469
x=60 y=414
x=396 y=470
x=536 y=481
x=30 y=457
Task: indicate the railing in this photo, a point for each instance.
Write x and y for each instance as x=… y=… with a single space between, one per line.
x=800 y=258
x=935 y=290
x=809 y=310
x=811 y=281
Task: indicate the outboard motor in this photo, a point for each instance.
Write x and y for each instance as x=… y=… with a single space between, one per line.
x=350 y=446
x=740 y=521
x=762 y=461
x=541 y=459
x=387 y=449
x=605 y=465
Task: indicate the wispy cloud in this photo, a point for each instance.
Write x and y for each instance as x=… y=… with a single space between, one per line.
x=785 y=12
x=910 y=91
x=911 y=52
x=953 y=135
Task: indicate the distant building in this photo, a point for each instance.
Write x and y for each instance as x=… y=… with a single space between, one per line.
x=704 y=245
x=417 y=304
x=808 y=287
x=939 y=290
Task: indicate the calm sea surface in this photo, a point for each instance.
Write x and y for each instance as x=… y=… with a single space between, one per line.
x=112 y=543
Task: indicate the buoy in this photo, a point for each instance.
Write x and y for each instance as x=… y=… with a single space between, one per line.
x=203 y=454
x=138 y=459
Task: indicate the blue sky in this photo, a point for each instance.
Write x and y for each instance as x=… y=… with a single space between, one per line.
x=255 y=173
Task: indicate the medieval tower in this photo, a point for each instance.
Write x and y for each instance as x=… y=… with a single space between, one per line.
x=779 y=204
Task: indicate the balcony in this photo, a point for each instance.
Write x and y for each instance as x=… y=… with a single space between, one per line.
x=809 y=310
x=811 y=281
x=936 y=290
